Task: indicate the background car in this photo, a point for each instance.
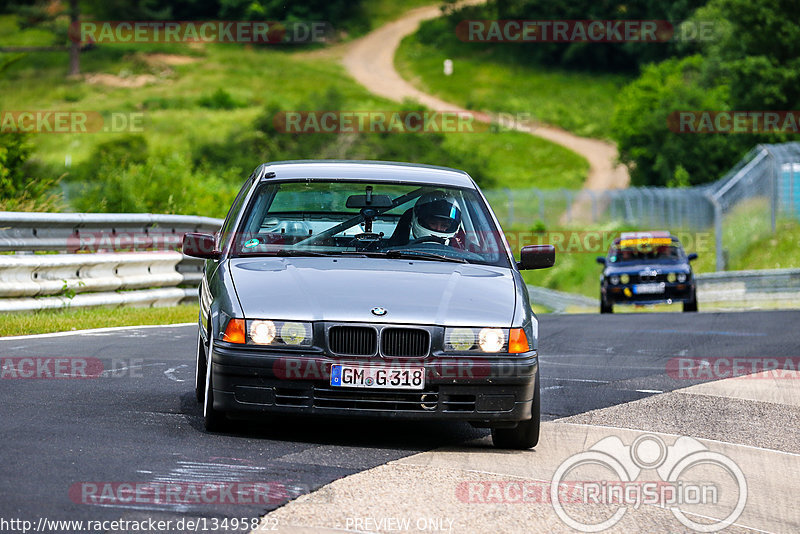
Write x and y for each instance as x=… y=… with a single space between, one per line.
x=647 y=268
x=366 y=288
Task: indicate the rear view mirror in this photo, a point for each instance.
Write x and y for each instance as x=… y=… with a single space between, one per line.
x=536 y=257
x=369 y=201
x=601 y=260
x=200 y=246
x=692 y=256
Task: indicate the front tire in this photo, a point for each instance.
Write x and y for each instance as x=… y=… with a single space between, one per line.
x=605 y=306
x=691 y=305
x=200 y=369
x=526 y=434
x=214 y=420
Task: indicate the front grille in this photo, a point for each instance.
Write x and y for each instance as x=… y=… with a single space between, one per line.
x=353 y=340
x=405 y=342
x=406 y=401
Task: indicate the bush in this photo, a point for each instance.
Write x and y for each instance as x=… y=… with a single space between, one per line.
x=165 y=184
x=219 y=99
x=650 y=149
x=610 y=57
x=245 y=149
x=25 y=185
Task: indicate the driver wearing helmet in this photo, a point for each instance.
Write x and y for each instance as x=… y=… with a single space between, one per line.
x=435 y=217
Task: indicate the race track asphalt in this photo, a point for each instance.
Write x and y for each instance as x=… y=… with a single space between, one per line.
x=139 y=423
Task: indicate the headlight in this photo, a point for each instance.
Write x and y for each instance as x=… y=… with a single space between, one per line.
x=459 y=339
x=276 y=333
x=614 y=280
x=671 y=277
x=261 y=332
x=486 y=340
x=491 y=339
x=624 y=278
x=681 y=277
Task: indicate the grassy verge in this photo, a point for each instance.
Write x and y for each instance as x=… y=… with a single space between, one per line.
x=579 y=102
x=747 y=237
x=18 y=324
x=179 y=112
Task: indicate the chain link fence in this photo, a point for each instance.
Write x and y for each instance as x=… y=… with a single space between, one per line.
x=762 y=187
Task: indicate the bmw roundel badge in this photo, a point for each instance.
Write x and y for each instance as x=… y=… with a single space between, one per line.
x=379 y=311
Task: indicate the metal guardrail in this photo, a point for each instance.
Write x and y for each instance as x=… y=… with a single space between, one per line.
x=759 y=288
x=88 y=268
x=749 y=287
x=73 y=232
x=560 y=301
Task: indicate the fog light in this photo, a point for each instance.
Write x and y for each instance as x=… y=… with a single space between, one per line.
x=671 y=278
x=624 y=278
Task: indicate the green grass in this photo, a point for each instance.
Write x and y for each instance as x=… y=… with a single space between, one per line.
x=18 y=324
x=379 y=12
x=579 y=102
x=749 y=242
x=175 y=119
x=747 y=238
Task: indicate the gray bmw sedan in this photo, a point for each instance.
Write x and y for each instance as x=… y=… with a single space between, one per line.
x=344 y=288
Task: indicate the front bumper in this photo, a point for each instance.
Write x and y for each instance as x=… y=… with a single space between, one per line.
x=479 y=390
x=673 y=292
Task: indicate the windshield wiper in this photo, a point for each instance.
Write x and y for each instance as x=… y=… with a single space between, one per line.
x=414 y=254
x=283 y=252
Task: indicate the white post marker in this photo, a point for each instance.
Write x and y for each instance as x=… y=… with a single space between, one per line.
x=448 y=67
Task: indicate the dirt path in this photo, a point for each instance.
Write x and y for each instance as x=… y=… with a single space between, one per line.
x=370 y=60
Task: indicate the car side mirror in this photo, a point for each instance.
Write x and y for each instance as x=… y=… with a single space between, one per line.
x=200 y=246
x=536 y=257
x=601 y=260
x=692 y=256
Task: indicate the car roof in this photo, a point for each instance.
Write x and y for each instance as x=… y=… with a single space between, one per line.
x=373 y=171
x=655 y=234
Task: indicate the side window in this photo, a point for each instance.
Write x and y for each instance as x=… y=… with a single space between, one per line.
x=230 y=220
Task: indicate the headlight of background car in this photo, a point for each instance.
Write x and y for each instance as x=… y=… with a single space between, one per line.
x=486 y=340
x=624 y=278
x=267 y=332
x=681 y=277
x=614 y=280
x=671 y=277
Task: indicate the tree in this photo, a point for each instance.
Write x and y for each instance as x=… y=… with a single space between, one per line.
x=751 y=63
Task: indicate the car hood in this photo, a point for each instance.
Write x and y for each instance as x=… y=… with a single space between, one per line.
x=347 y=289
x=636 y=268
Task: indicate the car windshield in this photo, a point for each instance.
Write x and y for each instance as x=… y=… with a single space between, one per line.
x=381 y=219
x=646 y=252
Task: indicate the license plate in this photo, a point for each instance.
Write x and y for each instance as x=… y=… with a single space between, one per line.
x=348 y=376
x=641 y=289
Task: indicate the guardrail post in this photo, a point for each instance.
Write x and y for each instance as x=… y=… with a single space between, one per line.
x=720 y=259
